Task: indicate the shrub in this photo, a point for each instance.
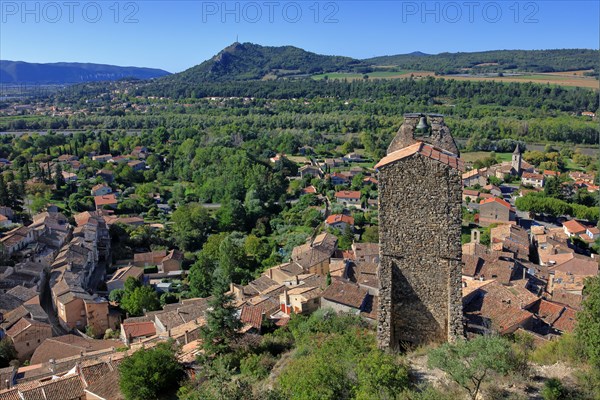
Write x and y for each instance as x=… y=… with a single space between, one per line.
x=553 y=390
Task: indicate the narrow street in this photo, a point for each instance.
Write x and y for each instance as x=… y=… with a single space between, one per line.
x=46 y=303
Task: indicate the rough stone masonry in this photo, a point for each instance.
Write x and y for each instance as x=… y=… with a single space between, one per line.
x=420 y=230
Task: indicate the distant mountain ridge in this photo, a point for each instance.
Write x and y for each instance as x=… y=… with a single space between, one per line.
x=248 y=61
x=494 y=60
x=20 y=72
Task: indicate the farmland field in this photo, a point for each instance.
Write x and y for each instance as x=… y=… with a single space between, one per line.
x=567 y=78
x=552 y=79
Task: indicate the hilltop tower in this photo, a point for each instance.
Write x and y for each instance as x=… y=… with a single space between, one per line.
x=420 y=189
x=516 y=160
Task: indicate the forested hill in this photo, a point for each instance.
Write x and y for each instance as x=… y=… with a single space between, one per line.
x=496 y=61
x=247 y=61
x=19 y=72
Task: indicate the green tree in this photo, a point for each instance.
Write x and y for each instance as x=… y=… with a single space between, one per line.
x=191 y=225
x=59 y=179
x=222 y=323
x=138 y=298
x=470 y=363
x=371 y=234
x=7 y=352
x=587 y=329
x=148 y=373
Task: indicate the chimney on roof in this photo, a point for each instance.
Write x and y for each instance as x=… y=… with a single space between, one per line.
x=187 y=338
x=270 y=273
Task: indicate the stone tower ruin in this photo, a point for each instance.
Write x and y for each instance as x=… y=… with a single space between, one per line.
x=420 y=188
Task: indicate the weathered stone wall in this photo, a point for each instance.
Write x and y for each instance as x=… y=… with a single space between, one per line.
x=420 y=250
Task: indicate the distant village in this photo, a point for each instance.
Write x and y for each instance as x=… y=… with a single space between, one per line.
x=527 y=276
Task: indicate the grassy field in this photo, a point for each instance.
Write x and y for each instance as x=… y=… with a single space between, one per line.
x=377 y=74
x=549 y=78
x=567 y=78
x=477 y=155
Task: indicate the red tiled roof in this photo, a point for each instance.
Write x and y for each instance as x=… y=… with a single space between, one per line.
x=532 y=175
x=574 y=226
x=107 y=199
x=252 y=316
x=335 y=218
x=426 y=150
x=139 y=329
x=496 y=200
x=23 y=324
x=345 y=293
x=567 y=321
x=347 y=194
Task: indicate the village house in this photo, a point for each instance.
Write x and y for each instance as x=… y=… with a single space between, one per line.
x=140 y=152
x=353 y=171
x=27 y=334
x=574 y=228
x=345 y=297
x=581 y=176
x=340 y=221
x=366 y=252
x=353 y=157
x=471 y=195
x=348 y=198
x=137 y=165
x=558 y=317
x=495 y=210
x=107 y=200
x=17 y=239
x=314 y=256
x=338 y=178
x=149 y=259
x=592 y=233
x=102 y=157
x=69 y=177
x=532 y=179
x=172 y=261
x=117 y=281
x=310 y=170
x=569 y=276
x=495 y=307
x=136 y=331
x=474 y=177
x=511 y=238
x=550 y=174
x=101 y=190
x=494 y=190
x=119 y=160
x=300 y=300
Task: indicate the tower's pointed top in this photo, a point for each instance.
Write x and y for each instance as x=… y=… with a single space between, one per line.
x=517 y=149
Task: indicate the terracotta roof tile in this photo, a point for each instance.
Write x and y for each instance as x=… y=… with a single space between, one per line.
x=426 y=150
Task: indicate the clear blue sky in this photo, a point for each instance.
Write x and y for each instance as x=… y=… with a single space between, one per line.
x=177 y=35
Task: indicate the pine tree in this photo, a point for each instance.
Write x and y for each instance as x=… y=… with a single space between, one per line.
x=59 y=179
x=222 y=323
x=4 y=196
